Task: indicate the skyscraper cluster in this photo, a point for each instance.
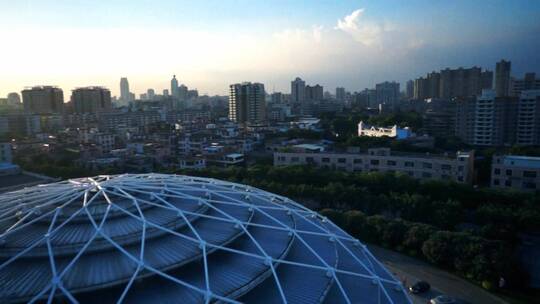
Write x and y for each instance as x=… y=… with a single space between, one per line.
x=451 y=83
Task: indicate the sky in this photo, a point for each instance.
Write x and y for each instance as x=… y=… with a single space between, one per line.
x=211 y=44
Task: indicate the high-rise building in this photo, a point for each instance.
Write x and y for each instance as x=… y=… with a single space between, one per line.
x=125 y=95
x=340 y=94
x=182 y=92
x=247 y=103
x=387 y=93
x=43 y=100
x=529 y=82
x=298 y=90
x=13 y=99
x=277 y=97
x=150 y=94
x=465 y=118
x=495 y=119
x=421 y=88
x=461 y=82
x=91 y=99
x=409 y=92
x=315 y=92
x=528 y=118
x=502 y=78
x=174 y=87
x=165 y=92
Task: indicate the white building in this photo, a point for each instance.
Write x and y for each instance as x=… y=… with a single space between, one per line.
x=373 y=131
x=515 y=172
x=528 y=120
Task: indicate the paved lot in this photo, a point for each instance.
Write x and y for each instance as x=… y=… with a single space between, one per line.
x=411 y=270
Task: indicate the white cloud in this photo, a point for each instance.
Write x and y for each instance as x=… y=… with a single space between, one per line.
x=360 y=30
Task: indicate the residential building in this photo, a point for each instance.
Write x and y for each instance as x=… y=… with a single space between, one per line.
x=91 y=100
x=247 y=103
x=13 y=99
x=421 y=166
x=387 y=93
x=409 y=91
x=495 y=119
x=340 y=94
x=465 y=118
x=421 y=89
x=515 y=172
x=528 y=118
x=43 y=100
x=125 y=94
x=529 y=82
x=502 y=78
x=314 y=93
x=298 y=90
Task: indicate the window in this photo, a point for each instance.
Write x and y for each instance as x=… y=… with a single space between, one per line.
x=310 y=160
x=497 y=171
x=460 y=168
x=508 y=183
x=508 y=172
x=391 y=163
x=342 y=160
x=496 y=182
x=411 y=173
x=529 y=185
x=446 y=167
x=325 y=160
x=357 y=161
x=282 y=158
x=295 y=159
x=426 y=175
x=427 y=165
x=374 y=162
x=530 y=174
x=409 y=164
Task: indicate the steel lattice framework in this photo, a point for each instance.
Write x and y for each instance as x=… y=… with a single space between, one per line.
x=153 y=238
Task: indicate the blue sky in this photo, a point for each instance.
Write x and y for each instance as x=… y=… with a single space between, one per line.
x=210 y=44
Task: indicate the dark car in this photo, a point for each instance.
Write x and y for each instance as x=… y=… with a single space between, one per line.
x=419 y=287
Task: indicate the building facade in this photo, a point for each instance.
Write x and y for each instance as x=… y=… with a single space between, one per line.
x=43 y=100
x=528 y=118
x=502 y=78
x=459 y=169
x=247 y=103
x=515 y=172
x=91 y=100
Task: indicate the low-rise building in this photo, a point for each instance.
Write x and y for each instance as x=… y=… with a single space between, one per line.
x=373 y=131
x=515 y=172
x=422 y=166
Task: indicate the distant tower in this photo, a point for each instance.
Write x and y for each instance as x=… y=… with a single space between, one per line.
x=298 y=90
x=125 y=96
x=502 y=78
x=13 y=99
x=174 y=87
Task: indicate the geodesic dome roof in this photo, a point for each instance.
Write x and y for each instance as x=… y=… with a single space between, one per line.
x=156 y=238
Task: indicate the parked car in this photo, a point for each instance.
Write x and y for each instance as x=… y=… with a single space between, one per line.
x=443 y=300
x=419 y=287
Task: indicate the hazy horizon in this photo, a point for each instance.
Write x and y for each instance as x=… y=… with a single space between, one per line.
x=210 y=45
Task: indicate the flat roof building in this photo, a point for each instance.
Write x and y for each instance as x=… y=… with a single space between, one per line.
x=515 y=172
x=421 y=166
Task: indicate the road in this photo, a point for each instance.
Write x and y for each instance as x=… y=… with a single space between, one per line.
x=442 y=282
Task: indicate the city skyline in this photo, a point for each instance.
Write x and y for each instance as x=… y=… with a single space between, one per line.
x=350 y=44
